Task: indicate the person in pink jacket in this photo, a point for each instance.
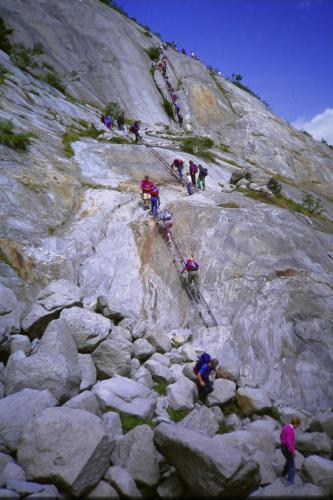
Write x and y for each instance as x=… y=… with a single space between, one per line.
x=288 y=448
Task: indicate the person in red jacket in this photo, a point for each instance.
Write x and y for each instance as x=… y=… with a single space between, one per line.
x=146 y=186
x=288 y=448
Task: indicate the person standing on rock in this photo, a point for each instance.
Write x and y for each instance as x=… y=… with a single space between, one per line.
x=121 y=121
x=189 y=183
x=288 y=448
x=193 y=170
x=135 y=129
x=146 y=186
x=203 y=172
x=205 y=384
x=154 y=201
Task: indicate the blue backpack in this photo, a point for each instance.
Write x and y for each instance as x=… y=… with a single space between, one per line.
x=202 y=359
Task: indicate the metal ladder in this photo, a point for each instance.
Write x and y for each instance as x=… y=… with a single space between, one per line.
x=162 y=160
x=199 y=304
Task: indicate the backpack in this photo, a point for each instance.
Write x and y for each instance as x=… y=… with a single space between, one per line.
x=193 y=168
x=154 y=191
x=203 y=172
x=166 y=215
x=202 y=359
x=191 y=266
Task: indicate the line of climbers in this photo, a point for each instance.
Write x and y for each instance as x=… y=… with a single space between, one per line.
x=192 y=54
x=194 y=177
x=151 y=200
x=161 y=65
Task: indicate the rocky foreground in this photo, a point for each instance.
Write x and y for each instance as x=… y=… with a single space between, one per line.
x=106 y=405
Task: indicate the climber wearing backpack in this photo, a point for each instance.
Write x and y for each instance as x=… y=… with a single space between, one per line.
x=179 y=165
x=180 y=119
x=135 y=129
x=192 y=269
x=193 y=171
x=203 y=172
x=164 y=222
x=203 y=368
x=121 y=121
x=154 y=201
x=107 y=120
x=146 y=186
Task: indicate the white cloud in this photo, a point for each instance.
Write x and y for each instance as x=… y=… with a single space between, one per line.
x=320 y=126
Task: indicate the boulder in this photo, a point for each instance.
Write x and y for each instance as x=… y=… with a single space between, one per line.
x=170 y=487
x=223 y=471
x=112 y=424
x=140 y=329
x=52 y=449
x=281 y=488
x=113 y=356
x=314 y=443
x=142 y=349
x=161 y=358
x=319 y=471
x=232 y=422
x=86 y=400
x=202 y=420
x=11 y=471
x=9 y=312
x=109 y=308
x=56 y=356
x=103 y=490
x=159 y=372
x=143 y=376
x=136 y=452
x=188 y=372
x=25 y=488
x=252 y=400
x=50 y=301
x=223 y=391
x=157 y=337
x=4 y=493
x=125 y=395
x=128 y=323
x=19 y=343
x=86 y=327
x=182 y=394
x=123 y=482
x=16 y=410
x=88 y=371
x=323 y=423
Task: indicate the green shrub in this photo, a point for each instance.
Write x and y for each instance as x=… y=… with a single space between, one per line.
x=113 y=109
x=72 y=134
x=5 y=33
x=231 y=407
x=224 y=148
x=161 y=388
x=52 y=78
x=314 y=206
x=153 y=53
x=177 y=415
x=147 y=33
x=118 y=140
x=168 y=108
x=9 y=138
x=128 y=422
x=198 y=146
x=274 y=413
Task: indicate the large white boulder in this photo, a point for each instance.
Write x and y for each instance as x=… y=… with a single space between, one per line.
x=159 y=372
x=136 y=452
x=123 y=482
x=157 y=337
x=252 y=400
x=9 y=312
x=57 y=357
x=87 y=328
x=323 y=423
x=311 y=443
x=182 y=394
x=86 y=400
x=201 y=419
x=223 y=470
x=319 y=471
x=88 y=371
x=125 y=395
x=65 y=446
x=113 y=355
x=16 y=410
x=50 y=301
x=223 y=391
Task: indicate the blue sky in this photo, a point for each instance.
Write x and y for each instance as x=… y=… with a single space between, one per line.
x=282 y=48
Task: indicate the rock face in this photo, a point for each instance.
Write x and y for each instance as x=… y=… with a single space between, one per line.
x=222 y=469
x=52 y=449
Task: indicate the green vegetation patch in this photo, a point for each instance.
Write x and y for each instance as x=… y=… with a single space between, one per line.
x=161 y=388
x=177 y=415
x=72 y=134
x=229 y=205
x=153 y=53
x=224 y=147
x=128 y=422
x=309 y=206
x=3 y=72
x=168 y=108
x=113 y=109
x=198 y=146
x=8 y=137
x=118 y=140
x=5 y=33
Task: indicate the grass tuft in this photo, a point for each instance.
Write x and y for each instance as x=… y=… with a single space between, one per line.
x=129 y=422
x=8 y=137
x=177 y=415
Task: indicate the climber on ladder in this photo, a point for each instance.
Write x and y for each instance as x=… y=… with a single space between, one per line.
x=192 y=268
x=179 y=165
x=164 y=223
x=146 y=186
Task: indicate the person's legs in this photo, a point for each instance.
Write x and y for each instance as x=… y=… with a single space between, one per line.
x=189 y=188
x=203 y=183
x=180 y=173
x=291 y=469
x=193 y=179
x=199 y=183
x=154 y=203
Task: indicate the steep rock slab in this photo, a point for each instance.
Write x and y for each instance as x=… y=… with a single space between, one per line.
x=137 y=453
x=17 y=410
x=50 y=301
x=57 y=357
x=320 y=472
x=87 y=328
x=125 y=395
x=222 y=470
x=52 y=449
